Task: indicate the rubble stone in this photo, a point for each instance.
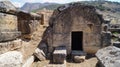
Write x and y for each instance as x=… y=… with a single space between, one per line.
x=40 y=54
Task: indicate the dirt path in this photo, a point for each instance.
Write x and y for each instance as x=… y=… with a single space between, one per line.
x=87 y=63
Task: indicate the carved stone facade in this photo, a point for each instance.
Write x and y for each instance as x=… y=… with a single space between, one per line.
x=75 y=26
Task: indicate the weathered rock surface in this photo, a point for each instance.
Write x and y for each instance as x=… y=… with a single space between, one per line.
x=11 y=59
x=109 y=56
x=40 y=54
x=11 y=45
x=59 y=55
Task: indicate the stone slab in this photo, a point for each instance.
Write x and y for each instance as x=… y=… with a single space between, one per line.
x=59 y=55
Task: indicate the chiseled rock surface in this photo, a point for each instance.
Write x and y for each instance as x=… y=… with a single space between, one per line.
x=40 y=54
x=109 y=56
x=11 y=59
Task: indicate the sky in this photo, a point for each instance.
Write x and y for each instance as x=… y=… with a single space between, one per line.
x=19 y=3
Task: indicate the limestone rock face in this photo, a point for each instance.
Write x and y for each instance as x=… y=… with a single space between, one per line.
x=11 y=59
x=109 y=56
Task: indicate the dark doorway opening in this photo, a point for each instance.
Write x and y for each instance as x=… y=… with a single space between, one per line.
x=77 y=40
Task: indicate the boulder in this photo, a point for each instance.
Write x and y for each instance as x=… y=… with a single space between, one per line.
x=109 y=57
x=40 y=54
x=59 y=55
x=11 y=59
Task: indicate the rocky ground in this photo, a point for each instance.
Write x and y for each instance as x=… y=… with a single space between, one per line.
x=87 y=63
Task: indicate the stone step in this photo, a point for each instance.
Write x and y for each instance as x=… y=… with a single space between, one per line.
x=59 y=55
x=78 y=56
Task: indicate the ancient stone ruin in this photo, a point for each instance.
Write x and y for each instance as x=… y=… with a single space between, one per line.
x=76 y=27
x=74 y=30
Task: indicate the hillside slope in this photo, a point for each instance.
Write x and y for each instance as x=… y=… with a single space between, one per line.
x=35 y=6
x=109 y=10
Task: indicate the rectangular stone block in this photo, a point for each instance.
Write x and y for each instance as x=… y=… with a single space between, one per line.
x=59 y=55
x=8 y=36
